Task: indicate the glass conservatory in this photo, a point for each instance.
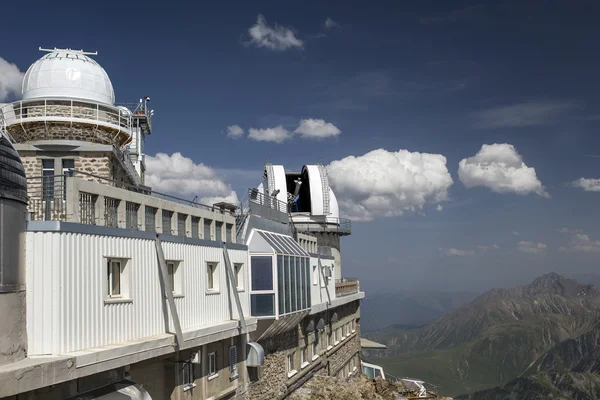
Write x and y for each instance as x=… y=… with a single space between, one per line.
x=279 y=275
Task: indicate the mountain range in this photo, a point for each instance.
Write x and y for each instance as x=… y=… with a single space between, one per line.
x=539 y=335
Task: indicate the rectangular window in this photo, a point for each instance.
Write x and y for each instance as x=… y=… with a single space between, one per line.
x=188 y=376
x=150 y=218
x=212 y=278
x=293 y=284
x=195 y=227
x=233 y=360
x=48 y=179
x=315 y=345
x=117 y=278
x=343 y=331
x=315 y=275
x=304 y=356
x=286 y=280
x=262 y=305
x=290 y=362
x=281 y=285
x=111 y=212
x=239 y=276
x=166 y=221
x=229 y=233
x=131 y=215
x=299 y=283
x=218 y=231
x=67 y=167
x=262 y=273
x=212 y=364
x=307 y=281
x=207 y=224
x=175 y=281
x=181 y=220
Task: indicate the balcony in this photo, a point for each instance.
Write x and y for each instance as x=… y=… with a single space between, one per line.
x=346 y=288
x=88 y=199
x=90 y=121
x=313 y=224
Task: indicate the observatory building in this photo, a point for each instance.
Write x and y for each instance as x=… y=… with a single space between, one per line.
x=110 y=289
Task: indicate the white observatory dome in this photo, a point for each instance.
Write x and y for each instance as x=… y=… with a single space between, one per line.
x=68 y=74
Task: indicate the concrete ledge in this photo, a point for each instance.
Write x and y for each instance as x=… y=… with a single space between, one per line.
x=34 y=373
x=317 y=308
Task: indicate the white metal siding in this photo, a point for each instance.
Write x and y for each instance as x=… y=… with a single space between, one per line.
x=318 y=294
x=66 y=284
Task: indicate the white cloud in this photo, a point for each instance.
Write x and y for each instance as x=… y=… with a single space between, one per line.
x=459 y=253
x=329 y=23
x=485 y=247
x=179 y=175
x=581 y=243
x=516 y=233
x=587 y=184
x=11 y=79
x=278 y=134
x=521 y=115
x=500 y=168
x=317 y=129
x=385 y=183
x=235 y=131
x=273 y=37
x=531 y=247
x=439 y=208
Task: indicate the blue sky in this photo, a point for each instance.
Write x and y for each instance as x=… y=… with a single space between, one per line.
x=429 y=77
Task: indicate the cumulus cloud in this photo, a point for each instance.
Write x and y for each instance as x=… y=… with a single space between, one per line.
x=531 y=247
x=235 y=131
x=521 y=115
x=385 y=183
x=179 y=175
x=317 y=129
x=500 y=168
x=587 y=184
x=278 y=134
x=273 y=37
x=459 y=253
x=11 y=79
x=581 y=243
x=516 y=233
x=329 y=23
x=439 y=208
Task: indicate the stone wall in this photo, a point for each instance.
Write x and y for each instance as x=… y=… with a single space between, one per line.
x=65 y=131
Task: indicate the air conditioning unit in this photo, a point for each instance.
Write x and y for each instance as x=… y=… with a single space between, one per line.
x=196 y=358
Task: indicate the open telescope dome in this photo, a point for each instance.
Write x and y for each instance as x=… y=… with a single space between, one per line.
x=68 y=74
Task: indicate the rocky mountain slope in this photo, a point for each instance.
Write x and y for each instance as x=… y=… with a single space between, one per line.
x=498 y=337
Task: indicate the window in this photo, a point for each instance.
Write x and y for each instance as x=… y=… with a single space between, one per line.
x=166 y=221
x=229 y=233
x=195 y=227
x=207 y=224
x=233 y=360
x=352 y=326
x=67 y=168
x=181 y=220
x=111 y=212
x=290 y=363
x=175 y=283
x=304 y=357
x=238 y=276
x=212 y=277
x=262 y=273
x=218 y=231
x=114 y=278
x=150 y=218
x=117 y=279
x=131 y=215
x=315 y=346
x=262 y=304
x=48 y=179
x=338 y=335
x=343 y=331
x=330 y=339
x=212 y=364
x=315 y=275
x=187 y=376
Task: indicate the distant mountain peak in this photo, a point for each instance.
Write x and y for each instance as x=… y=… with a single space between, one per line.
x=553 y=283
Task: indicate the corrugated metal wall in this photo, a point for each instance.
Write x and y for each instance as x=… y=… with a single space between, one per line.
x=66 y=284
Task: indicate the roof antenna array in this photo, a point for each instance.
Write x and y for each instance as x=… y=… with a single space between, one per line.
x=87 y=53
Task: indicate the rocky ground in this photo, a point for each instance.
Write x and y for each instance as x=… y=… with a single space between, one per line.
x=355 y=387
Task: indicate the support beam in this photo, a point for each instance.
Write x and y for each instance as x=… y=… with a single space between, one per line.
x=165 y=278
x=326 y=283
x=233 y=286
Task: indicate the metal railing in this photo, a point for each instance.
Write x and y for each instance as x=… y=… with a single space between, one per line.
x=346 y=288
x=49 y=109
x=333 y=225
x=47 y=198
x=257 y=203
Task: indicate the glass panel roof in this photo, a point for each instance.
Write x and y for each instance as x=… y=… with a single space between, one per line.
x=283 y=244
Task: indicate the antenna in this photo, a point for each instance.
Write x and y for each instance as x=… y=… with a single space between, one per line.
x=87 y=53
